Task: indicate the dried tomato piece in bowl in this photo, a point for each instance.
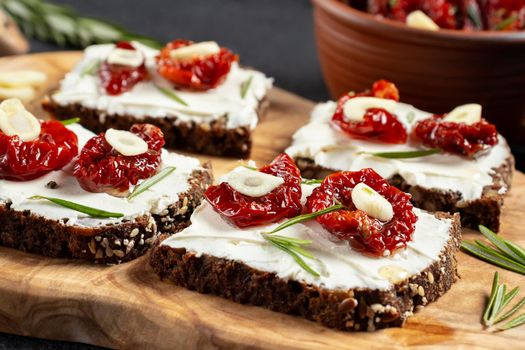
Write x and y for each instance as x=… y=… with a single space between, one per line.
x=458 y=138
x=122 y=70
x=54 y=148
x=377 y=123
x=195 y=71
x=282 y=202
x=364 y=232
x=101 y=168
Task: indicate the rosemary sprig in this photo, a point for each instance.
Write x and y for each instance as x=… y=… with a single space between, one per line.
x=91 y=68
x=245 y=86
x=94 y=212
x=497 y=302
x=405 y=155
x=312 y=182
x=70 y=121
x=501 y=252
x=171 y=94
x=293 y=247
x=305 y=217
x=64 y=26
x=144 y=186
x=506 y=22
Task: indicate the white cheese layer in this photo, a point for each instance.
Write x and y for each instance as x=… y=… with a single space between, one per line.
x=154 y=200
x=331 y=148
x=340 y=267
x=145 y=99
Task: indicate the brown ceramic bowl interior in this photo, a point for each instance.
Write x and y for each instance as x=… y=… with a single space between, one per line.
x=434 y=71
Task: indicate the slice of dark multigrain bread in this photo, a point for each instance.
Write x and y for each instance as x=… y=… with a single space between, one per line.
x=110 y=244
x=484 y=211
x=212 y=138
x=350 y=310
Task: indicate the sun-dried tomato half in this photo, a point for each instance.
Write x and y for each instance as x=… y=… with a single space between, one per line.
x=365 y=233
x=117 y=79
x=52 y=150
x=377 y=124
x=100 y=168
x=458 y=138
x=198 y=73
x=243 y=211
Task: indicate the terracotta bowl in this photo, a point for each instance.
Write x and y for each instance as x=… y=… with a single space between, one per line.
x=434 y=71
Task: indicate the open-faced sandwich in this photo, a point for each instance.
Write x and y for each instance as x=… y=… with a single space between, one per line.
x=196 y=93
x=66 y=192
x=456 y=162
x=350 y=252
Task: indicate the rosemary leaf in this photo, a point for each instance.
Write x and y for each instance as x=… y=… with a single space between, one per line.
x=493 y=259
x=511 y=312
x=496 y=305
x=474 y=15
x=94 y=212
x=70 y=121
x=410 y=117
x=291 y=239
x=407 y=154
x=500 y=244
x=305 y=217
x=506 y=22
x=249 y=167
x=516 y=249
x=507 y=299
x=144 y=186
x=245 y=86
x=171 y=94
x=91 y=68
x=312 y=182
x=392 y=3
x=518 y=321
x=488 y=309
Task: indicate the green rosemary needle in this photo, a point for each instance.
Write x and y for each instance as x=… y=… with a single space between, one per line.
x=171 y=94
x=144 y=186
x=94 y=212
x=245 y=86
x=70 y=121
x=405 y=155
x=305 y=217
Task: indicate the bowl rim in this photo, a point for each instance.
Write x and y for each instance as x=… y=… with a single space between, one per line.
x=345 y=11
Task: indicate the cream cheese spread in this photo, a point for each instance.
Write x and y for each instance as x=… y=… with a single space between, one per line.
x=154 y=200
x=145 y=99
x=331 y=148
x=340 y=267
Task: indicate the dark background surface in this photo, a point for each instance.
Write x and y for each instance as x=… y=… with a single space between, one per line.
x=274 y=36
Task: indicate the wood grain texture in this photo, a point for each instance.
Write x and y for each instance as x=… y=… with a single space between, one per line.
x=127 y=306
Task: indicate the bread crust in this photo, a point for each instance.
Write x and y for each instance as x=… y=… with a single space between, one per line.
x=483 y=211
x=349 y=310
x=110 y=244
x=212 y=137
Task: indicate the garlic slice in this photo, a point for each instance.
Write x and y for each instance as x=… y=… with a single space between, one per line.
x=468 y=114
x=131 y=58
x=355 y=108
x=253 y=183
x=368 y=200
x=24 y=93
x=16 y=120
x=22 y=78
x=125 y=142
x=418 y=19
x=204 y=48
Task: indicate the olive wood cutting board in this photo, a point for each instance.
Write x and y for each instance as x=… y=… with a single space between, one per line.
x=127 y=306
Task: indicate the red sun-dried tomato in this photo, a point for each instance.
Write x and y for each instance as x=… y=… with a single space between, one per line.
x=377 y=124
x=52 y=150
x=117 y=79
x=198 y=73
x=365 y=233
x=458 y=138
x=100 y=168
x=243 y=211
